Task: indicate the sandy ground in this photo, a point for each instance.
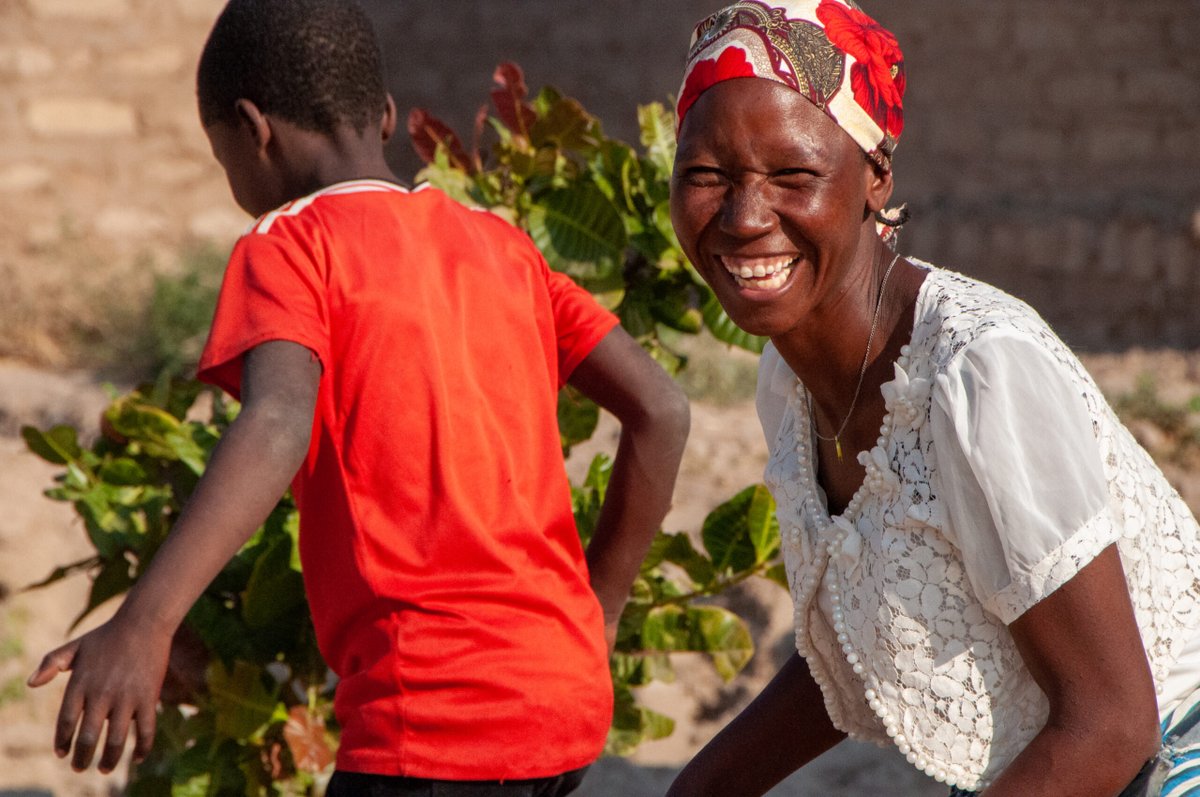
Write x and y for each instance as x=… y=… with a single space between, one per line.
x=724 y=454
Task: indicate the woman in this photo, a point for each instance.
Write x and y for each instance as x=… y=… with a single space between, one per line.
x=1001 y=584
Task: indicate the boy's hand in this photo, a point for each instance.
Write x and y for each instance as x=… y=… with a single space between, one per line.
x=116 y=676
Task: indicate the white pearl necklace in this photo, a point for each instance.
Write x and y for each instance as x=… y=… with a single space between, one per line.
x=823 y=565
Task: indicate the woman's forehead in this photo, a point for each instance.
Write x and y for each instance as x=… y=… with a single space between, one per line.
x=764 y=117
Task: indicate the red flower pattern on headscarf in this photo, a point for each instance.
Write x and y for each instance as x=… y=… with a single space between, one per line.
x=878 y=76
x=731 y=63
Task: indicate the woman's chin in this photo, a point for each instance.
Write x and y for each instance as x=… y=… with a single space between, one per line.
x=759 y=321
x=754 y=307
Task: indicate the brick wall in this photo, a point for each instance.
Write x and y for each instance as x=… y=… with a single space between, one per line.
x=1050 y=147
x=104 y=172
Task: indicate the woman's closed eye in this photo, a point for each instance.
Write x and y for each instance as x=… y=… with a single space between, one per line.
x=792 y=176
x=703 y=176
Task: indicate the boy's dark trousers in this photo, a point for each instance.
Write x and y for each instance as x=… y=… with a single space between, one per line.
x=357 y=784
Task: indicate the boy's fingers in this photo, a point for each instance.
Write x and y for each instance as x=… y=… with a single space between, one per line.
x=68 y=720
x=114 y=742
x=145 y=721
x=88 y=736
x=54 y=662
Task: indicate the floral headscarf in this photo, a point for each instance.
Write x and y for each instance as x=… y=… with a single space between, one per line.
x=846 y=63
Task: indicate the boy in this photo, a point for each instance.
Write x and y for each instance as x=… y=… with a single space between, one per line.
x=399 y=356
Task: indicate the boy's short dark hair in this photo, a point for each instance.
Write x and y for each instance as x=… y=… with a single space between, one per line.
x=314 y=63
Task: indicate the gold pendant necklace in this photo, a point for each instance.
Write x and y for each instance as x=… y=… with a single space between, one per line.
x=862 y=372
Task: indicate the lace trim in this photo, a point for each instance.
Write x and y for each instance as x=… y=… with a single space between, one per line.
x=1059 y=567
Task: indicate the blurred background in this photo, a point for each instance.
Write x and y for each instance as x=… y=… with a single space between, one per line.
x=1051 y=148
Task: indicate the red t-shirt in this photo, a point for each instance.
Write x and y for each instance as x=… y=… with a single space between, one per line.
x=445 y=574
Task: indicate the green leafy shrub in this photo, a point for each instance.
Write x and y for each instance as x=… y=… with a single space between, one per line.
x=180 y=312
x=247 y=706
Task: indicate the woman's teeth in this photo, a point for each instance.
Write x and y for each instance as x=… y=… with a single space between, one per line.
x=760 y=274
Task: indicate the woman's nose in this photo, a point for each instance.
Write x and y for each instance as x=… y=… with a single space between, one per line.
x=747 y=211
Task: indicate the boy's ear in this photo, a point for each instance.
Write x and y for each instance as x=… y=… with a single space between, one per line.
x=256 y=123
x=388 y=123
x=879 y=187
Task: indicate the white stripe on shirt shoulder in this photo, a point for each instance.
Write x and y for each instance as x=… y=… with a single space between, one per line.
x=297 y=206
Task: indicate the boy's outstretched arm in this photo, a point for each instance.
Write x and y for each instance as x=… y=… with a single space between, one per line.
x=117 y=670
x=653 y=411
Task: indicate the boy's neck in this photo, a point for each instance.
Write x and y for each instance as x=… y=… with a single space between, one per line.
x=313 y=161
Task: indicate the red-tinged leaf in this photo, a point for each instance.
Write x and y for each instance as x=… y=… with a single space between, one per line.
x=477 y=136
x=306 y=738
x=428 y=132
x=509 y=99
x=272 y=764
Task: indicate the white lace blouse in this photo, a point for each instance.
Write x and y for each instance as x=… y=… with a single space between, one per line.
x=999 y=472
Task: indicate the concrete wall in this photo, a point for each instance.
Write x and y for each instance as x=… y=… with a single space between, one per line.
x=1051 y=147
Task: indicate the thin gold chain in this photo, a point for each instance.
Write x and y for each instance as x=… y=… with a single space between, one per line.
x=862 y=371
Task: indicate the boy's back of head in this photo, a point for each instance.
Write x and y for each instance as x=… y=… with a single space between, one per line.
x=314 y=63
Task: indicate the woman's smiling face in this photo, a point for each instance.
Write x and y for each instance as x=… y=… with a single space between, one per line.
x=769 y=198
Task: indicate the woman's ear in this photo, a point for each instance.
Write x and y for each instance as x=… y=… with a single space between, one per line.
x=255 y=122
x=388 y=124
x=879 y=188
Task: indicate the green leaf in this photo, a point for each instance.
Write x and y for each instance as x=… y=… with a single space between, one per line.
x=193 y=786
x=291 y=526
x=657 y=551
x=612 y=170
x=778 y=574
x=123 y=471
x=724 y=636
x=105 y=526
x=657 y=126
x=742 y=532
x=704 y=629
x=599 y=473
x=274 y=589
x=61 y=572
x=221 y=628
x=666 y=629
x=581 y=234
x=587 y=498
x=632 y=724
x=455 y=183
x=159 y=433
x=577 y=417
x=629 y=629
x=672 y=257
x=182 y=394
x=763 y=526
x=242 y=704
x=680 y=551
x=136 y=418
x=724 y=330
x=57 y=445
x=673 y=305
x=635 y=312
x=671 y=362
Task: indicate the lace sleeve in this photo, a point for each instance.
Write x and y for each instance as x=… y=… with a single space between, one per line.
x=1020 y=471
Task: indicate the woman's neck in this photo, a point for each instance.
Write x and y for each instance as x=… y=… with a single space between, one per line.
x=829 y=353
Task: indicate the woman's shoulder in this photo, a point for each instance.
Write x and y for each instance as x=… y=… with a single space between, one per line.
x=956 y=312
